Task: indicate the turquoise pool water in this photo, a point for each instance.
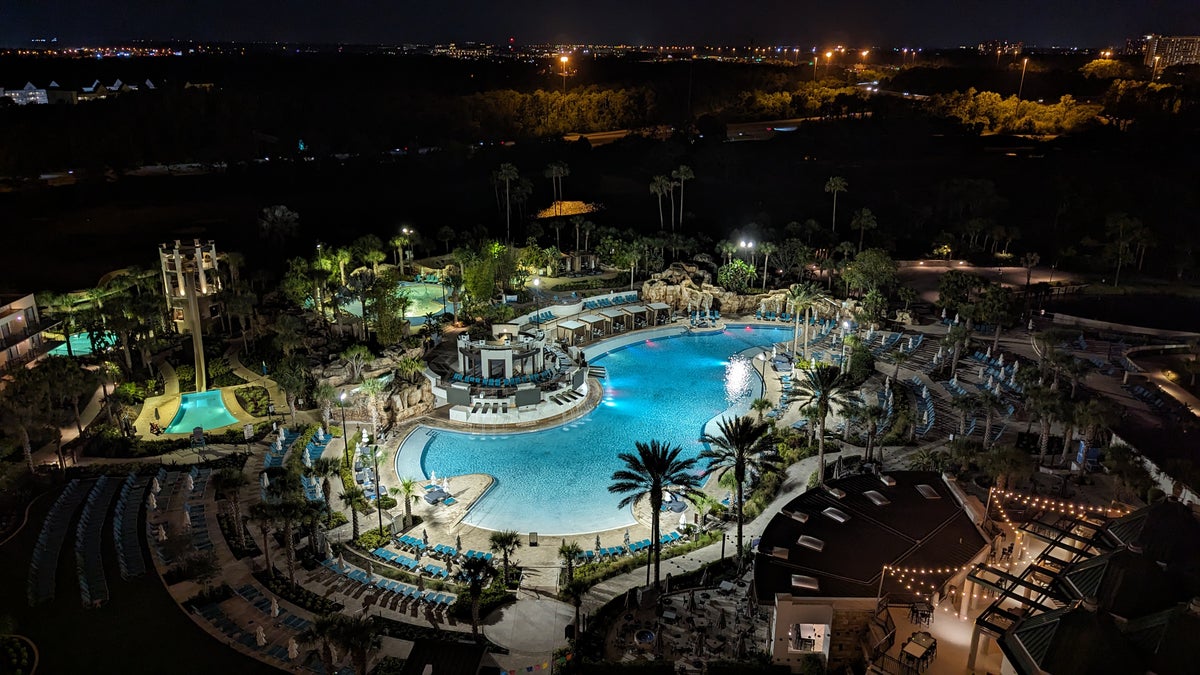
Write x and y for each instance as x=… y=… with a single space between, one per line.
x=200 y=410
x=81 y=344
x=424 y=298
x=555 y=481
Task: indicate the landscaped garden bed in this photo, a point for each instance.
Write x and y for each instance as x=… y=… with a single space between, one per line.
x=296 y=594
x=254 y=400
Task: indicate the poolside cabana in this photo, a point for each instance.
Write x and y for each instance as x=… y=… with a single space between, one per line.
x=639 y=313
x=597 y=325
x=572 y=330
x=660 y=312
x=619 y=318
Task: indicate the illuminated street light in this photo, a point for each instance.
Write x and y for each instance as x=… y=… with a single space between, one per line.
x=1154 y=70
x=563 y=59
x=1021 y=87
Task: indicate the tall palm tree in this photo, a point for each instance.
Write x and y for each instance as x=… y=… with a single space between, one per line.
x=324 y=468
x=658 y=188
x=577 y=222
x=766 y=248
x=681 y=175
x=322 y=632
x=655 y=468
x=899 y=358
x=325 y=395
x=574 y=591
x=823 y=388
x=228 y=484
x=359 y=635
x=569 y=551
x=289 y=512
x=23 y=406
x=863 y=220
x=726 y=249
x=476 y=571
x=988 y=400
x=743 y=447
x=407 y=492
x=802 y=297
x=508 y=173
x=350 y=497
x=872 y=416
x=1045 y=404
x=263 y=513
x=956 y=340
x=834 y=185
x=506 y=543
x=372 y=387
x=398 y=242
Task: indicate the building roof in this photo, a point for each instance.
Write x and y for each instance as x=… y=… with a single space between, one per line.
x=1072 y=640
x=446 y=657
x=872 y=524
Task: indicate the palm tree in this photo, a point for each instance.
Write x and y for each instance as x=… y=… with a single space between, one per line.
x=988 y=400
x=655 y=468
x=681 y=175
x=323 y=632
x=574 y=591
x=476 y=571
x=956 y=338
x=350 y=498
x=1043 y=402
x=835 y=184
x=407 y=492
x=324 y=468
x=726 y=249
x=228 y=484
x=359 y=635
x=277 y=223
x=1003 y=464
x=508 y=173
x=263 y=513
x=23 y=406
x=863 y=220
x=289 y=512
x=966 y=407
x=761 y=406
x=506 y=543
x=802 y=297
x=743 y=447
x=325 y=395
x=767 y=248
x=569 y=551
x=822 y=388
x=398 y=242
x=871 y=415
x=899 y=358
x=372 y=387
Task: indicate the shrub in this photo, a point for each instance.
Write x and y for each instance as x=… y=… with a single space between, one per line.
x=386 y=502
x=296 y=594
x=493 y=597
x=253 y=400
x=372 y=539
x=187 y=377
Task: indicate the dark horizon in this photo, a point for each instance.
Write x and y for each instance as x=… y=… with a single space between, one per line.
x=927 y=23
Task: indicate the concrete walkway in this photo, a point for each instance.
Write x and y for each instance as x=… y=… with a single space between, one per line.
x=277 y=396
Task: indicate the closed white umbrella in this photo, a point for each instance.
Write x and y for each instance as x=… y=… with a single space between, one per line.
x=446 y=484
x=260 y=636
x=189 y=483
x=370 y=572
x=154 y=486
x=152 y=502
x=1000 y=360
x=274 y=606
x=266 y=482
x=293 y=649
x=683 y=520
x=328 y=550
x=341 y=563
x=162 y=532
x=433 y=476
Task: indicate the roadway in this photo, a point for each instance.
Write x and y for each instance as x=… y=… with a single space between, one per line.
x=742 y=131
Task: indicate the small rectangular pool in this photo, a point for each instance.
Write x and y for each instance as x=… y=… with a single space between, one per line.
x=205 y=410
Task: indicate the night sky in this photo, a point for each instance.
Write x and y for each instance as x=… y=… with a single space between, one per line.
x=931 y=23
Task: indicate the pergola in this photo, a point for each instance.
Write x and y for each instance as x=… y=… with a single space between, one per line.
x=614 y=314
x=637 y=310
x=657 y=310
x=592 y=321
x=572 y=328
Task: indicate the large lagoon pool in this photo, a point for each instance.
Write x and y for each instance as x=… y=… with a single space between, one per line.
x=555 y=481
x=81 y=344
x=205 y=410
x=423 y=299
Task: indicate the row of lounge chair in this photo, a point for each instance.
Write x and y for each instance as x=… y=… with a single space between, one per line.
x=263 y=604
x=432 y=597
x=125 y=520
x=635 y=547
x=89 y=561
x=601 y=303
x=431 y=278
x=566 y=397
x=489 y=407
x=44 y=565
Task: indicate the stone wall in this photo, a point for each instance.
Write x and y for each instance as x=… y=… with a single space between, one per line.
x=682 y=285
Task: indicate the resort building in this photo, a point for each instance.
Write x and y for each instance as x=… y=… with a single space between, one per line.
x=26 y=95
x=190 y=284
x=832 y=561
x=21 y=328
x=1163 y=51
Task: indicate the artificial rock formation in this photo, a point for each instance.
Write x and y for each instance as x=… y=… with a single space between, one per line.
x=684 y=289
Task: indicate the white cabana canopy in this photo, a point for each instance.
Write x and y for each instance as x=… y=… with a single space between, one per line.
x=634 y=309
x=613 y=313
x=570 y=324
x=659 y=306
x=592 y=319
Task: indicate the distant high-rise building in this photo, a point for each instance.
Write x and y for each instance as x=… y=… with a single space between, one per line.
x=1172 y=50
x=1135 y=45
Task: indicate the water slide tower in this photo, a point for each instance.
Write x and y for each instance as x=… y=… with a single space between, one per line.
x=191 y=283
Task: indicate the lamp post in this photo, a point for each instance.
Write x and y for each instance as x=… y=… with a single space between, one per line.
x=828 y=60
x=345 y=431
x=815 y=60
x=845 y=330
x=749 y=246
x=407 y=233
x=563 y=59
x=763 y=357
x=378 y=508
x=1154 y=70
x=1021 y=87
x=537 y=299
